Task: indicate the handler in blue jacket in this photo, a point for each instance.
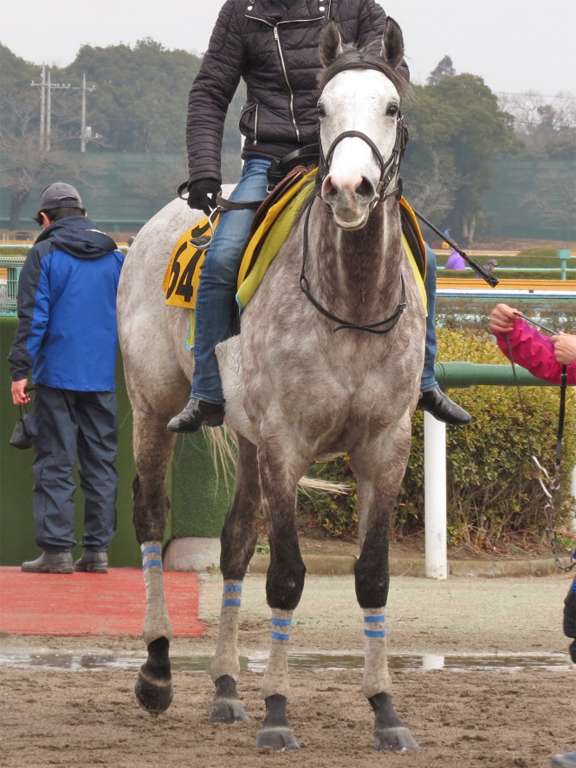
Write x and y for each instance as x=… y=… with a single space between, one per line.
x=67 y=335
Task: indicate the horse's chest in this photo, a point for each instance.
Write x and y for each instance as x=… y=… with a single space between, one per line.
x=350 y=389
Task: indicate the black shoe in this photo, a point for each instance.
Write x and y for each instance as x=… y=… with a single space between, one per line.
x=92 y=562
x=442 y=408
x=48 y=562
x=196 y=414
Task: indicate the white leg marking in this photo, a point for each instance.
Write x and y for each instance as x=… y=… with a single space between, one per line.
x=225 y=661
x=276 y=675
x=376 y=677
x=157 y=622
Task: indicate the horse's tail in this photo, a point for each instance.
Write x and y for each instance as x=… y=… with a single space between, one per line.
x=222 y=444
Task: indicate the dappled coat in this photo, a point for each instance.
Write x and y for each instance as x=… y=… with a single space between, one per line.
x=273 y=46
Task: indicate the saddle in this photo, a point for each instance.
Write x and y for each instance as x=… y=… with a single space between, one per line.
x=271 y=226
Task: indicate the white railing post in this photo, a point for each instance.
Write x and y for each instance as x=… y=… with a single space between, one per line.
x=435 y=519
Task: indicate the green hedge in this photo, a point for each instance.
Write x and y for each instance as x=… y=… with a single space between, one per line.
x=509 y=274
x=539 y=251
x=491 y=488
x=15 y=250
x=535 y=257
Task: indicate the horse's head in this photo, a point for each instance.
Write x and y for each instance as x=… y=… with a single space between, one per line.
x=361 y=133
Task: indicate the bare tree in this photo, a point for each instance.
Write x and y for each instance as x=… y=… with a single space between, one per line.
x=546 y=125
x=554 y=200
x=433 y=190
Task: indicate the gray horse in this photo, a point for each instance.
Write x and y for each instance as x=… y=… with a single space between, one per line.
x=295 y=390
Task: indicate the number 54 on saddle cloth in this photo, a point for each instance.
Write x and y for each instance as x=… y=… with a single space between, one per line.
x=182 y=276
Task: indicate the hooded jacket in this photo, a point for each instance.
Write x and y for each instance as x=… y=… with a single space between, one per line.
x=67 y=331
x=273 y=46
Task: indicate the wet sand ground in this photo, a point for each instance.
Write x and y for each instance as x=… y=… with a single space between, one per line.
x=493 y=719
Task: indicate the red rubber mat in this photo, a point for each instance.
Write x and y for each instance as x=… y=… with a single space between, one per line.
x=92 y=604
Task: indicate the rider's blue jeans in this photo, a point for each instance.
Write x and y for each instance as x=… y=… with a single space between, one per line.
x=428 y=376
x=215 y=298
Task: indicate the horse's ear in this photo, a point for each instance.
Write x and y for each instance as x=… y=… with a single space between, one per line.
x=330 y=45
x=392 y=44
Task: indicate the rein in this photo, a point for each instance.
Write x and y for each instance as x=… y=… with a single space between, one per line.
x=549 y=485
x=305 y=286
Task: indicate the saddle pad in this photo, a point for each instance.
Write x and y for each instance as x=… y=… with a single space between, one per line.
x=182 y=276
x=413 y=234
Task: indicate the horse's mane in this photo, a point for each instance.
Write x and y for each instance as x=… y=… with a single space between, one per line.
x=365 y=58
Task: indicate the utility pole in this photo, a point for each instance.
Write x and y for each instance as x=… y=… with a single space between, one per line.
x=42 y=86
x=48 y=113
x=83 y=115
x=46 y=87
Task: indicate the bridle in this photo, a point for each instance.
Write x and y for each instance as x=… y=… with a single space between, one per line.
x=388 y=171
x=388 y=168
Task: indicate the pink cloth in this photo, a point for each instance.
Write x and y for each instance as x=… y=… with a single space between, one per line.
x=535 y=352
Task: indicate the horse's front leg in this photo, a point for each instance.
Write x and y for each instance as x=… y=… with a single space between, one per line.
x=153 y=447
x=279 y=476
x=379 y=470
x=238 y=539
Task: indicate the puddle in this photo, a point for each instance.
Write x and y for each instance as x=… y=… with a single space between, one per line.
x=301 y=661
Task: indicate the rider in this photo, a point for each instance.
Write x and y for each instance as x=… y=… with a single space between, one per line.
x=273 y=46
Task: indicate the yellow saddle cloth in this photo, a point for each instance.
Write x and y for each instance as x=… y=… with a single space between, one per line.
x=182 y=276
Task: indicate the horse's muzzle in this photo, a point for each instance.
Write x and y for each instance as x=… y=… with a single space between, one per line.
x=350 y=198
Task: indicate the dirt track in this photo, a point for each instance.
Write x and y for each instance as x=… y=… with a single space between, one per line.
x=493 y=719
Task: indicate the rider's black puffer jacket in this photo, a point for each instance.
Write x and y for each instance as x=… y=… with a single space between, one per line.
x=273 y=46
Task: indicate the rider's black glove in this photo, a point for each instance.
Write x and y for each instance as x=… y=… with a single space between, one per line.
x=202 y=194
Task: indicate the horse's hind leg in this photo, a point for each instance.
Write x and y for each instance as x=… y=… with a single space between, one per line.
x=238 y=543
x=379 y=469
x=153 y=446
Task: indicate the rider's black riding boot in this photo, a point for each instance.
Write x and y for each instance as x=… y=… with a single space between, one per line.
x=442 y=408
x=196 y=414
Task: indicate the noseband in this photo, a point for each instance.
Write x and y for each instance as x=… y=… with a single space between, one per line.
x=388 y=168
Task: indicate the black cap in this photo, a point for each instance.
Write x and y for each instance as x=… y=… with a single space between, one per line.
x=59 y=195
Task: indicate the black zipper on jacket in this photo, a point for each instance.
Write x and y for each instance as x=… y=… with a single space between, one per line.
x=283 y=62
x=281 y=53
x=255 y=125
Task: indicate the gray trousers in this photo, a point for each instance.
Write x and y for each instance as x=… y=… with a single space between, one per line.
x=74 y=426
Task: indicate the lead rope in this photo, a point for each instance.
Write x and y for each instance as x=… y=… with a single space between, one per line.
x=550 y=485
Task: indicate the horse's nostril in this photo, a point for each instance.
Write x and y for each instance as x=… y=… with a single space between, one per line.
x=366 y=189
x=328 y=188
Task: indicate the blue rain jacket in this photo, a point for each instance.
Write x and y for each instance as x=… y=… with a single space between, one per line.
x=67 y=331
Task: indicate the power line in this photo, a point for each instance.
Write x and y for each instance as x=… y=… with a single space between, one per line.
x=46 y=87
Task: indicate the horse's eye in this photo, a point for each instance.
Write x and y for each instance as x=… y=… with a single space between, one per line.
x=321 y=111
x=392 y=110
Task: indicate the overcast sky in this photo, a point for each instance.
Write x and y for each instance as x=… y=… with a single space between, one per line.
x=515 y=45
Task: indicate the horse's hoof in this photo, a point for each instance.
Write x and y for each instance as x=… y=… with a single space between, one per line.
x=154 y=697
x=278 y=738
x=227 y=711
x=398 y=739
x=227 y=707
